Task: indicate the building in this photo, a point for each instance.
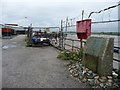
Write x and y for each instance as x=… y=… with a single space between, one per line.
x=7 y=30
x=12 y=29
x=19 y=29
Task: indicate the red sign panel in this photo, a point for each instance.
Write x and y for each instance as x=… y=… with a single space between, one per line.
x=83 y=28
x=7 y=30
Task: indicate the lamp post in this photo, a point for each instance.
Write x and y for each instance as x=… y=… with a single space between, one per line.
x=25 y=21
x=25 y=24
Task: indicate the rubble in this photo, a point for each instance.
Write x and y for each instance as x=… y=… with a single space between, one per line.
x=93 y=79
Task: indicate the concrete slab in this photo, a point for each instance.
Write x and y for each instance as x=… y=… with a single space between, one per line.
x=99 y=55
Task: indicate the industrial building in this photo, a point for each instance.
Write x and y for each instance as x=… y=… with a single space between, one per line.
x=11 y=29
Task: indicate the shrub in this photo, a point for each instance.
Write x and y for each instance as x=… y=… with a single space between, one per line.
x=27 y=42
x=65 y=55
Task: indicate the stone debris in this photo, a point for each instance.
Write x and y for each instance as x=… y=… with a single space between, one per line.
x=69 y=68
x=114 y=74
x=84 y=80
x=103 y=79
x=110 y=81
x=101 y=84
x=75 y=75
x=97 y=82
x=73 y=66
x=109 y=77
x=96 y=77
x=85 y=75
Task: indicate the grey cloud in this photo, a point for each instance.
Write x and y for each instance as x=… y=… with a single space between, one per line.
x=51 y=13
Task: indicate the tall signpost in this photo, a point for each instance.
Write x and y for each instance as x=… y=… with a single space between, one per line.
x=82 y=19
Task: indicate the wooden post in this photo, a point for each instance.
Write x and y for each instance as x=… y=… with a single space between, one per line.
x=61 y=36
x=119 y=71
x=28 y=32
x=72 y=45
x=81 y=43
x=30 y=35
x=66 y=27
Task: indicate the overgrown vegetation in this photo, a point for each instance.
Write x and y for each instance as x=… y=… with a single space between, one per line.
x=27 y=42
x=66 y=55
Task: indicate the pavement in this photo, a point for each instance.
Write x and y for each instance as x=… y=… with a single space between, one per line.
x=34 y=67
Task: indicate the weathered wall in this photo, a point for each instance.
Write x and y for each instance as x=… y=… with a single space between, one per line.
x=98 y=55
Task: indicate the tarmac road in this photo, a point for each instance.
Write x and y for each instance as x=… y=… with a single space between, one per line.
x=34 y=67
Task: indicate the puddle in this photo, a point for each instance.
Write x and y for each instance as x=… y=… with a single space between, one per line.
x=8 y=46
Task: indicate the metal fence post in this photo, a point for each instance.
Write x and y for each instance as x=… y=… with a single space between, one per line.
x=72 y=45
x=81 y=43
x=61 y=36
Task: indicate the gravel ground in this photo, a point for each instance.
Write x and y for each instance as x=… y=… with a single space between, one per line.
x=34 y=67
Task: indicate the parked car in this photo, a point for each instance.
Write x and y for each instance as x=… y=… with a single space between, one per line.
x=38 y=38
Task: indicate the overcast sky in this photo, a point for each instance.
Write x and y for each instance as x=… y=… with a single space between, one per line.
x=50 y=12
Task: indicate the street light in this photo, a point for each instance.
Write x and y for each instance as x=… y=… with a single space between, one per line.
x=25 y=24
x=25 y=21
